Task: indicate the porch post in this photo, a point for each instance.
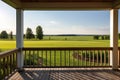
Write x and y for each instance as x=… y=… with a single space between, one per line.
x=114 y=38
x=19 y=37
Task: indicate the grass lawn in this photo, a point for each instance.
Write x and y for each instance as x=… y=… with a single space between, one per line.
x=69 y=38
x=6 y=45
x=57 y=41
x=82 y=41
x=99 y=43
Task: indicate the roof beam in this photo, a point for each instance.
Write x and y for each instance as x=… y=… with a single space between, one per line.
x=13 y=3
x=66 y=5
x=116 y=4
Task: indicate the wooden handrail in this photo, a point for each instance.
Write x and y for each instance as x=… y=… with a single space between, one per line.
x=8 y=63
x=6 y=53
x=66 y=56
x=68 y=48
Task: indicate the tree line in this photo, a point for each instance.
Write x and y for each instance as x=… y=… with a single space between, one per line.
x=5 y=35
x=29 y=34
x=101 y=37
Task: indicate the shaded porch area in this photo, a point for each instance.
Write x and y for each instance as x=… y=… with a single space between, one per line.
x=67 y=74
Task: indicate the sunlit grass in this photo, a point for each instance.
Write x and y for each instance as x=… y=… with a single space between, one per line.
x=6 y=45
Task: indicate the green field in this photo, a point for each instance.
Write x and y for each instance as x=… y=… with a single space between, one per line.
x=6 y=45
x=57 y=41
x=59 y=58
x=69 y=38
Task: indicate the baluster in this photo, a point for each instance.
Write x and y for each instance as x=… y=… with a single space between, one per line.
x=15 y=60
x=81 y=57
x=38 y=55
x=105 y=53
x=60 y=58
x=97 y=64
x=90 y=58
x=54 y=58
x=29 y=58
x=73 y=57
x=78 y=57
x=13 y=56
x=65 y=57
x=119 y=57
x=46 y=56
x=11 y=63
x=0 y=68
x=85 y=58
x=42 y=58
x=33 y=58
x=4 y=71
x=101 y=58
x=7 y=65
x=50 y=58
x=109 y=57
x=69 y=57
x=93 y=57
x=25 y=58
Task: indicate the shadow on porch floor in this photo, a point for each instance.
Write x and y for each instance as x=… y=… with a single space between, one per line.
x=67 y=74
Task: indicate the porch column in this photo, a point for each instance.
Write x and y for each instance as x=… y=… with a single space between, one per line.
x=19 y=37
x=114 y=38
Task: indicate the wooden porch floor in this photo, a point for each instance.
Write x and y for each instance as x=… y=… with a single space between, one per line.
x=67 y=74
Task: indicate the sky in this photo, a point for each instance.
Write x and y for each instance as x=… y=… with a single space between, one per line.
x=57 y=22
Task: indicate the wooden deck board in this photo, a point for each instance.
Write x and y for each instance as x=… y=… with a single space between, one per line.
x=67 y=74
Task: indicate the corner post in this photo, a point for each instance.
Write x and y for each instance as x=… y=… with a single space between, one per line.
x=114 y=38
x=19 y=37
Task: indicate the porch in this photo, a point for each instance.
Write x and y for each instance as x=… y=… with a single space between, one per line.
x=67 y=74
x=59 y=63
x=62 y=63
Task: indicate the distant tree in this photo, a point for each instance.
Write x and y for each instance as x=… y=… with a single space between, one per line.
x=33 y=36
x=24 y=36
x=49 y=37
x=4 y=35
x=29 y=34
x=107 y=37
x=39 y=32
x=119 y=35
x=11 y=35
x=96 y=37
x=102 y=37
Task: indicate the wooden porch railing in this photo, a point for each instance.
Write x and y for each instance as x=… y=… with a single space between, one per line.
x=56 y=57
x=67 y=57
x=119 y=56
x=8 y=63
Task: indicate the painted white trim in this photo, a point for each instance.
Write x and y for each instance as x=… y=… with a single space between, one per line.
x=19 y=36
x=114 y=37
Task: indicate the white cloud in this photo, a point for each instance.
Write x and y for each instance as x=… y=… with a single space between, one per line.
x=75 y=29
x=53 y=22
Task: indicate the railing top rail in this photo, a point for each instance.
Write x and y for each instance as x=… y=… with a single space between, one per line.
x=68 y=48
x=6 y=53
x=118 y=47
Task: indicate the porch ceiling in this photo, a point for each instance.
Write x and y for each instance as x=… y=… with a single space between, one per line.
x=63 y=4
